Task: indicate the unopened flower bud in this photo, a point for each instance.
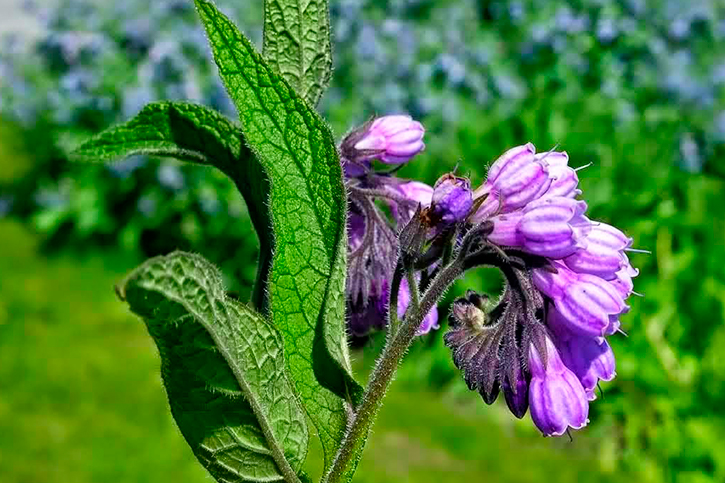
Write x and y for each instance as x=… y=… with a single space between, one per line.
x=390 y=139
x=469 y=314
x=452 y=200
x=514 y=180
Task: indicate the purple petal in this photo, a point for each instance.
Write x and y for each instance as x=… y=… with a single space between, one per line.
x=623 y=279
x=510 y=161
x=516 y=395
x=587 y=304
x=591 y=360
x=355 y=230
x=564 y=182
x=551 y=283
x=505 y=230
x=416 y=191
x=554 y=227
x=412 y=190
x=603 y=255
x=556 y=397
x=371 y=142
x=430 y=321
x=523 y=186
x=554 y=158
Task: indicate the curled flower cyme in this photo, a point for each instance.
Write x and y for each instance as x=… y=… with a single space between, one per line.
x=543 y=342
x=372 y=241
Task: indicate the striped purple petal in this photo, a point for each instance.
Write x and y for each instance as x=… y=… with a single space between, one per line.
x=557 y=400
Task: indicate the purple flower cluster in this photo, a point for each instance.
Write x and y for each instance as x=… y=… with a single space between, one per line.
x=392 y=140
x=543 y=342
x=564 y=295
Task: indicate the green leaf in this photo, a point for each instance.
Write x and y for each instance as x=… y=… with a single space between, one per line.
x=223 y=369
x=297 y=44
x=308 y=205
x=201 y=135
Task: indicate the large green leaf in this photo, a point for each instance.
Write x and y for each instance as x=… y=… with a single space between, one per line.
x=308 y=205
x=297 y=44
x=223 y=369
x=201 y=135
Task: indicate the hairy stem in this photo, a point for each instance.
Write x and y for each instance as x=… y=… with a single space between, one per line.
x=413 y=288
x=361 y=422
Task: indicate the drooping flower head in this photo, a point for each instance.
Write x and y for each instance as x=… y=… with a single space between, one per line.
x=543 y=343
x=372 y=240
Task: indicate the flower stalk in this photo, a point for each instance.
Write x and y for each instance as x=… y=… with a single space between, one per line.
x=364 y=415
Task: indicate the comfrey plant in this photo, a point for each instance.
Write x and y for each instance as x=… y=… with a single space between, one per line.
x=346 y=247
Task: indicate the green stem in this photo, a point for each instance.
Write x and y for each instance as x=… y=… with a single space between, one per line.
x=359 y=427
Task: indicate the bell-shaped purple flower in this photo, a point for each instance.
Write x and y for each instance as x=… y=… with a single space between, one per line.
x=452 y=199
x=591 y=359
x=552 y=227
x=515 y=179
x=603 y=255
x=391 y=139
x=589 y=305
x=556 y=397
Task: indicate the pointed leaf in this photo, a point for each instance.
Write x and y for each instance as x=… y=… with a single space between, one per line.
x=195 y=133
x=223 y=369
x=308 y=205
x=297 y=44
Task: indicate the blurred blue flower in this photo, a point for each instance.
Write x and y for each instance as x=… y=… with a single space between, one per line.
x=170 y=176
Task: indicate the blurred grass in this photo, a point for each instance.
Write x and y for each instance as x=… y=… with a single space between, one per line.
x=81 y=398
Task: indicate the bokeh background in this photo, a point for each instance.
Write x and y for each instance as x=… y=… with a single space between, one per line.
x=634 y=87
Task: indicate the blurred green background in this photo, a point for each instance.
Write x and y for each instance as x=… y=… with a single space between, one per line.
x=635 y=87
